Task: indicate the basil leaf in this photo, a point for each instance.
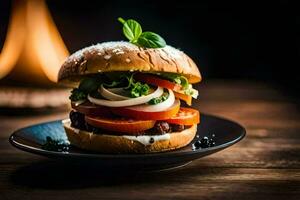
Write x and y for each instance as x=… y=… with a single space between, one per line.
x=134 y=33
x=131 y=29
x=151 y=40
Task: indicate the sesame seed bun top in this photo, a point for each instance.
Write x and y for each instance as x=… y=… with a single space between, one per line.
x=124 y=56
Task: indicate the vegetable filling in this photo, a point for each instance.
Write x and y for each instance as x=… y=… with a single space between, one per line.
x=133 y=103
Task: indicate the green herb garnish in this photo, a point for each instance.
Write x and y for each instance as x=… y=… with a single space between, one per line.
x=179 y=79
x=137 y=89
x=86 y=86
x=160 y=99
x=55 y=145
x=90 y=85
x=134 y=33
x=191 y=91
x=77 y=95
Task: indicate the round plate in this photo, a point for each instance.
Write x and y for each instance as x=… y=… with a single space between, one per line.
x=226 y=134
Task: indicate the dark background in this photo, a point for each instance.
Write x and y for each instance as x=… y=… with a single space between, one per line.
x=253 y=40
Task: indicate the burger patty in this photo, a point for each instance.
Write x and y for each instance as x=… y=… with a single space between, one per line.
x=160 y=127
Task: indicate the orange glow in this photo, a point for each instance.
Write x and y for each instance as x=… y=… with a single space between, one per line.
x=33 y=50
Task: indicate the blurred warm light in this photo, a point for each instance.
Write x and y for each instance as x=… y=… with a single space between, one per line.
x=33 y=50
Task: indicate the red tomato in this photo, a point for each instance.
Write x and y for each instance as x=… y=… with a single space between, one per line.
x=184 y=97
x=154 y=80
x=137 y=114
x=185 y=116
x=119 y=125
x=91 y=109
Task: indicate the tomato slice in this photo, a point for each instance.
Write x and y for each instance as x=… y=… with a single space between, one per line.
x=184 y=97
x=137 y=114
x=154 y=80
x=119 y=125
x=185 y=116
x=91 y=109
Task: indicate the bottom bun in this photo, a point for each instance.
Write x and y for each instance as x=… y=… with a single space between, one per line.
x=106 y=143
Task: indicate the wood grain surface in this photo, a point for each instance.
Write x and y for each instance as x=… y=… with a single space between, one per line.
x=264 y=165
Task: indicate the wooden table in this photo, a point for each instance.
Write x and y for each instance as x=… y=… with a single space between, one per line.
x=264 y=165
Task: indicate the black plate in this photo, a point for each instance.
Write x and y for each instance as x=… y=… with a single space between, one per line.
x=226 y=134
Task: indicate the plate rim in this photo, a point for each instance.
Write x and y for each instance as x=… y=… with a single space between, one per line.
x=39 y=151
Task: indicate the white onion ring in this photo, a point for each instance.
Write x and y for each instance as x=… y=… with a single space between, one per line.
x=128 y=102
x=158 y=107
x=110 y=94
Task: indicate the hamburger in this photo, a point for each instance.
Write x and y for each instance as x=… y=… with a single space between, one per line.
x=128 y=98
